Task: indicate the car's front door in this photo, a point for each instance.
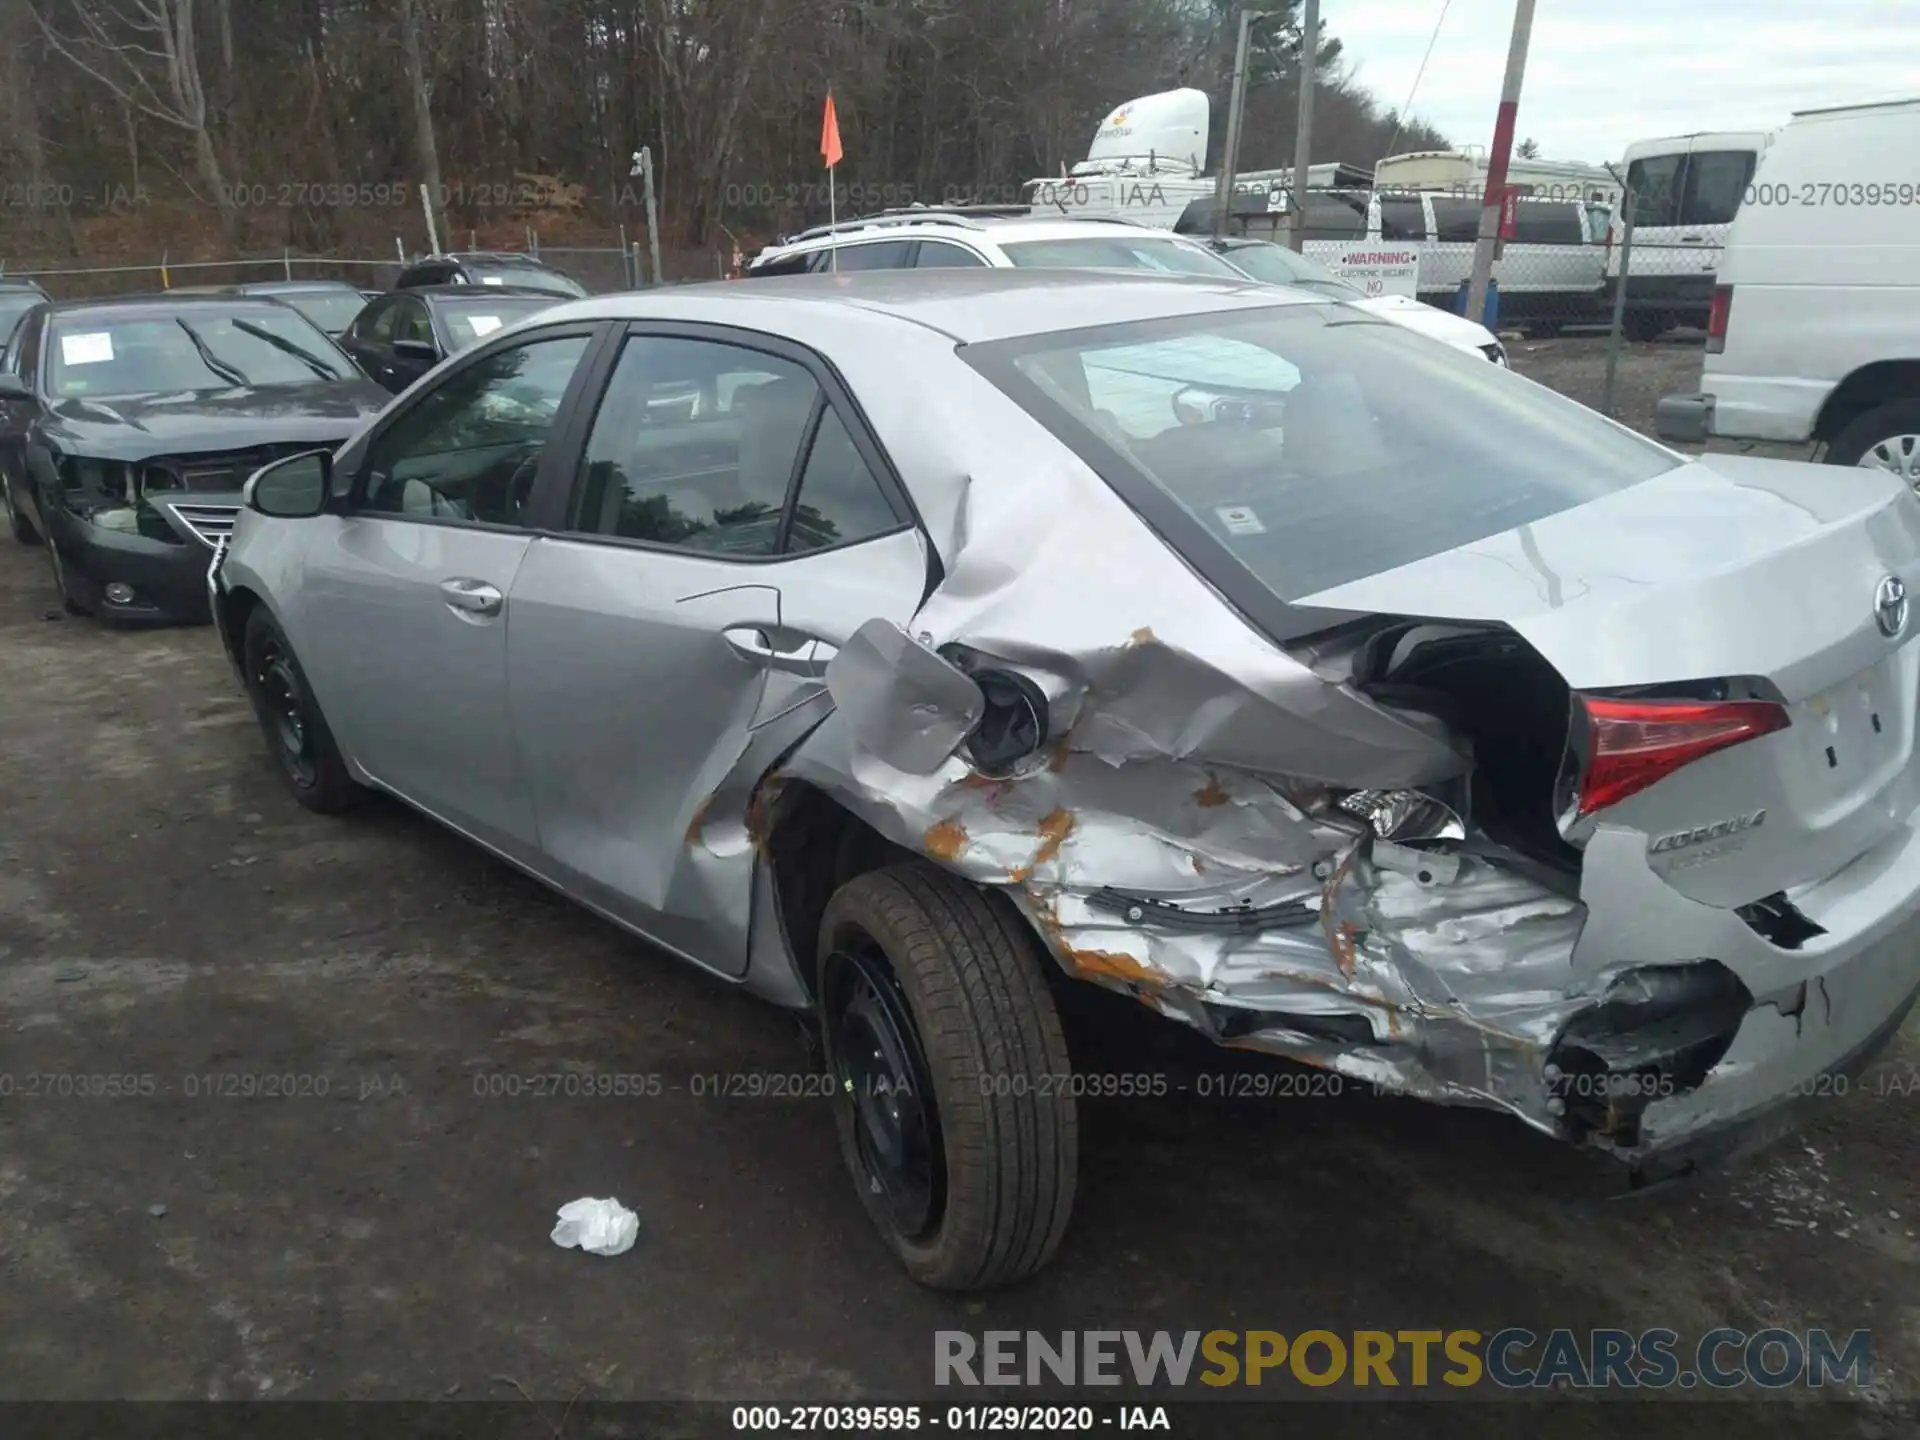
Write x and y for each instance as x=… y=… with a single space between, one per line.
x=405 y=596
x=670 y=643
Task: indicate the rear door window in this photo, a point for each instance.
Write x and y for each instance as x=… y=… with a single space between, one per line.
x=1716 y=183
x=1336 y=217
x=938 y=254
x=1402 y=218
x=874 y=255
x=1547 y=222
x=1655 y=183
x=1455 y=219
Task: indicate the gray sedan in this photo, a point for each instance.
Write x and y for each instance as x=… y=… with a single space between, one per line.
x=903 y=646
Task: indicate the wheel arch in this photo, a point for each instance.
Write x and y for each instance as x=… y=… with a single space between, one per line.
x=1867 y=388
x=812 y=844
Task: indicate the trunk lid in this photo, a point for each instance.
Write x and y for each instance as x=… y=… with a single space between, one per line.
x=1728 y=568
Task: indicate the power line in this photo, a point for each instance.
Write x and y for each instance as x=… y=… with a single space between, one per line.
x=1400 y=120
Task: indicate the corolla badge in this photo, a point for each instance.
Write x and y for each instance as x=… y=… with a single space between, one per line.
x=1890 y=606
x=1719 y=830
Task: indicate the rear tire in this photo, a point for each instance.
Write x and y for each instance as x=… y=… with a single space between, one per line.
x=303 y=749
x=1892 y=430
x=17 y=525
x=921 y=971
x=1645 y=326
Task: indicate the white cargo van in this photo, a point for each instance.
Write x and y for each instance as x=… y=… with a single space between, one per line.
x=1815 y=326
x=1687 y=190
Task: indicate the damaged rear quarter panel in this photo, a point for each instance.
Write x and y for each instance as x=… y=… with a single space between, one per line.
x=1184 y=756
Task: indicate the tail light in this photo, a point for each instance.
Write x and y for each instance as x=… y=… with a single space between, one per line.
x=1717 y=319
x=1633 y=743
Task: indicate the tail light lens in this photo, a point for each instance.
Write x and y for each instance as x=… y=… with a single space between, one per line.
x=1633 y=743
x=1717 y=319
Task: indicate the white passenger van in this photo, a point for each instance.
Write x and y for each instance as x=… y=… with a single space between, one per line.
x=1549 y=274
x=1814 y=332
x=1464 y=172
x=1687 y=190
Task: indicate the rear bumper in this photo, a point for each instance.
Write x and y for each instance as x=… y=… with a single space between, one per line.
x=1687 y=298
x=1819 y=1011
x=1715 y=1144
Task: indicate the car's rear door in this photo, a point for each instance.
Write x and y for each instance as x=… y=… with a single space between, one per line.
x=669 y=643
x=403 y=615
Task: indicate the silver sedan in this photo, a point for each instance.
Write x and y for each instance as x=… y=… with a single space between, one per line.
x=903 y=646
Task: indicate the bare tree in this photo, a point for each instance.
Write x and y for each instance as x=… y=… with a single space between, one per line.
x=146 y=53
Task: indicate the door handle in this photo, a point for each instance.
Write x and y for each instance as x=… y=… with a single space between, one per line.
x=804 y=655
x=472 y=597
x=1693 y=239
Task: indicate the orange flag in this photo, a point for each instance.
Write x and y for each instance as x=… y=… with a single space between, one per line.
x=830 y=135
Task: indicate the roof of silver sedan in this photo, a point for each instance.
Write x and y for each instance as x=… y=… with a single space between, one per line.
x=971 y=305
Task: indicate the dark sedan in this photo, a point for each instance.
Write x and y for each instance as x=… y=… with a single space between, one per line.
x=520 y=272
x=330 y=304
x=128 y=426
x=401 y=336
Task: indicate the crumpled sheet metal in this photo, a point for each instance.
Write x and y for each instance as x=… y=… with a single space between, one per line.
x=1192 y=753
x=1463 y=985
x=1068 y=582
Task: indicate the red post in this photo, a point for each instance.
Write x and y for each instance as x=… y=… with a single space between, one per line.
x=1503 y=126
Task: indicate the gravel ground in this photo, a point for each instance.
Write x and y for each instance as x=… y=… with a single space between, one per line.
x=317 y=1189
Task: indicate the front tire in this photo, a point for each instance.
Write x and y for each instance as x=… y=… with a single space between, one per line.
x=303 y=748
x=953 y=1095
x=62 y=582
x=17 y=525
x=1886 y=437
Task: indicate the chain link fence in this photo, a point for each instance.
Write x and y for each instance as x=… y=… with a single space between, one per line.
x=602 y=269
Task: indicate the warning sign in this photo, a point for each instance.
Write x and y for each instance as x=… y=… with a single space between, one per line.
x=1378 y=269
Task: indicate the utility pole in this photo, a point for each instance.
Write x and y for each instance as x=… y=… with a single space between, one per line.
x=1303 y=127
x=1497 y=160
x=1223 y=182
x=643 y=167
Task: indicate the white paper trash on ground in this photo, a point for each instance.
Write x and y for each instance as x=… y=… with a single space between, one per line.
x=599 y=1227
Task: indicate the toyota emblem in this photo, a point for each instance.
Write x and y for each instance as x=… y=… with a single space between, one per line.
x=1890 y=606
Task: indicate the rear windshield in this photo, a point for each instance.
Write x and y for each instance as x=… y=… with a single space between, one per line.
x=201 y=347
x=1316 y=443
x=1119 y=252
x=468 y=322
x=332 y=310
x=1277 y=265
x=532 y=277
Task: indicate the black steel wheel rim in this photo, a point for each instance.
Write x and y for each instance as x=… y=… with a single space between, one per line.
x=284 y=708
x=880 y=1070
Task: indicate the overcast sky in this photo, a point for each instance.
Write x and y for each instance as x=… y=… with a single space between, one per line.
x=1603 y=73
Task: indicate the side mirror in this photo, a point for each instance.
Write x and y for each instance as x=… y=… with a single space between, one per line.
x=417 y=350
x=292 y=489
x=13 y=388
